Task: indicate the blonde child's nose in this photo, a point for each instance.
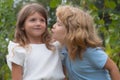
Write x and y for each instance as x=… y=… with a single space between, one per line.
x=53 y=26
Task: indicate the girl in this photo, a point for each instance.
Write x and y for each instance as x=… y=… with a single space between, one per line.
x=31 y=55
x=85 y=59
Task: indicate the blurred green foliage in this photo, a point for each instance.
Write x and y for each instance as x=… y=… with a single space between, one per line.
x=106 y=14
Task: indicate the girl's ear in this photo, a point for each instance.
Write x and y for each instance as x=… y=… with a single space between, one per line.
x=23 y=28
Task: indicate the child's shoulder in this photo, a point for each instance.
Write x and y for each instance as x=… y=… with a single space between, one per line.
x=12 y=44
x=91 y=49
x=56 y=43
x=15 y=46
x=96 y=50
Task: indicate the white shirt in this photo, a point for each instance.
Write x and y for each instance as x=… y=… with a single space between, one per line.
x=38 y=62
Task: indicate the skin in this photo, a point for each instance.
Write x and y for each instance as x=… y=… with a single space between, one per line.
x=113 y=70
x=16 y=72
x=34 y=27
x=59 y=32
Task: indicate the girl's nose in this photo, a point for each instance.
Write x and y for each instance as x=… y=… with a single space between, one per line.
x=38 y=22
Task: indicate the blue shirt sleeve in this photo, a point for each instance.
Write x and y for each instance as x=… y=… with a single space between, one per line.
x=97 y=57
x=64 y=53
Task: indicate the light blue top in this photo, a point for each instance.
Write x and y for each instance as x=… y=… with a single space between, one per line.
x=89 y=68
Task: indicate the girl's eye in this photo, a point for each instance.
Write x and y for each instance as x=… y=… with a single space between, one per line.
x=33 y=19
x=42 y=20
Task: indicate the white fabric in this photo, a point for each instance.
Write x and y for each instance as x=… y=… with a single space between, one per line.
x=38 y=62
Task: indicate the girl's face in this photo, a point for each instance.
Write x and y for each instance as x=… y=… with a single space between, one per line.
x=35 y=26
x=59 y=31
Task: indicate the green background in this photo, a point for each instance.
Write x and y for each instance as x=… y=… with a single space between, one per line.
x=106 y=14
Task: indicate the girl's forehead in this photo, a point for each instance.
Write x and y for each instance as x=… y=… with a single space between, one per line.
x=33 y=13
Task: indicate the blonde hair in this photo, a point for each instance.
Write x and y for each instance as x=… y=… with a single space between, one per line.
x=20 y=35
x=80 y=30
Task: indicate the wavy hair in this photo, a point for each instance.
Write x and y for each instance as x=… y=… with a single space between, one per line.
x=20 y=35
x=81 y=32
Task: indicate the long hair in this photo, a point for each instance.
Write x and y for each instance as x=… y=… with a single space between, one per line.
x=20 y=35
x=80 y=30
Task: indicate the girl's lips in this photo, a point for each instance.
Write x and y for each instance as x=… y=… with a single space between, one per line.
x=37 y=28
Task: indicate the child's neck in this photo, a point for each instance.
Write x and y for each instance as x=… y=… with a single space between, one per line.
x=35 y=41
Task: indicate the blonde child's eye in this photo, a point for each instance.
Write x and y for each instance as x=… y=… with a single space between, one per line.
x=59 y=24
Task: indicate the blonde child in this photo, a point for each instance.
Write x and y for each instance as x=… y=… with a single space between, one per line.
x=84 y=58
